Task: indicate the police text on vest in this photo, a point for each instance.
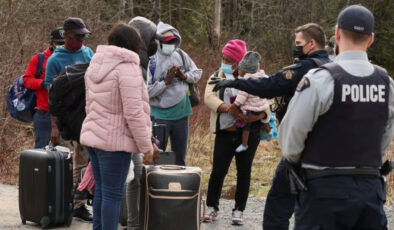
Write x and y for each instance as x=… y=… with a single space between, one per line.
x=363 y=93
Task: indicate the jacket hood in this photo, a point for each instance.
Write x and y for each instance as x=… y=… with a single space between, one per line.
x=162 y=28
x=107 y=57
x=147 y=31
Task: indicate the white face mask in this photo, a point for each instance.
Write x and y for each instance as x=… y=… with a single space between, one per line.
x=168 y=49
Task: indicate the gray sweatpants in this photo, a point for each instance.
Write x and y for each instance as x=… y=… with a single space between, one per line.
x=133 y=193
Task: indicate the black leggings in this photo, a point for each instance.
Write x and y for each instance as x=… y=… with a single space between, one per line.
x=224 y=151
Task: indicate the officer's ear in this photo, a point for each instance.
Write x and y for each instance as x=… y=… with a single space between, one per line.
x=313 y=43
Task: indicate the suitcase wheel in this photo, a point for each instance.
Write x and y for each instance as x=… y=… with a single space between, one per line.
x=44 y=222
x=23 y=221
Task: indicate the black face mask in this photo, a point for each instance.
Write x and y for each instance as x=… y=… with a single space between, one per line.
x=298 y=53
x=152 y=49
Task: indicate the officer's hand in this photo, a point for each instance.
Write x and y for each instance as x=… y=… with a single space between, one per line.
x=220 y=83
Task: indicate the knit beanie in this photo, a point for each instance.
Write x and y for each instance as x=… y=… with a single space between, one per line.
x=250 y=63
x=235 y=49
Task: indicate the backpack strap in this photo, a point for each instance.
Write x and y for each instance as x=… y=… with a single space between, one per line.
x=180 y=52
x=40 y=64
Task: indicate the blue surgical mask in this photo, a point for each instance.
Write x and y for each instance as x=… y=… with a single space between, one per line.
x=168 y=49
x=331 y=57
x=228 y=69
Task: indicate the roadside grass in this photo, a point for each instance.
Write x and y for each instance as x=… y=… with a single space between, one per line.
x=200 y=153
x=19 y=136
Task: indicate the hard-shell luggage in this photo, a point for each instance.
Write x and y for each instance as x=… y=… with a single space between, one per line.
x=170 y=198
x=45 y=186
x=165 y=158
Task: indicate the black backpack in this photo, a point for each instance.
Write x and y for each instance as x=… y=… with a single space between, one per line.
x=67 y=100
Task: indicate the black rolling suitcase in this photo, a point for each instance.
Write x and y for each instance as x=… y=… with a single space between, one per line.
x=170 y=198
x=45 y=187
x=165 y=158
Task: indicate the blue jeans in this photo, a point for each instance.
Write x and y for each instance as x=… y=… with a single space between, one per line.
x=178 y=131
x=42 y=128
x=110 y=170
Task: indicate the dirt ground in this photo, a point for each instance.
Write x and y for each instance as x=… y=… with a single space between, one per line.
x=10 y=220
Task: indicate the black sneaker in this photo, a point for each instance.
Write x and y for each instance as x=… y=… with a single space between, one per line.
x=83 y=214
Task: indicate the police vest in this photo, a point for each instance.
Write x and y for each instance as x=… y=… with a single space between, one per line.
x=350 y=132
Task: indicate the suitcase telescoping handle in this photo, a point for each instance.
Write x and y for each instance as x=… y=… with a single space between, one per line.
x=172 y=167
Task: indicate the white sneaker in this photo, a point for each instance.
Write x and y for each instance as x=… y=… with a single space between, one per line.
x=211 y=215
x=237 y=218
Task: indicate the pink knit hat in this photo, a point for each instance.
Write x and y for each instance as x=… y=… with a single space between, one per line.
x=235 y=49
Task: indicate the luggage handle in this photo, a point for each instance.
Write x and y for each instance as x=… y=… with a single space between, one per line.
x=172 y=167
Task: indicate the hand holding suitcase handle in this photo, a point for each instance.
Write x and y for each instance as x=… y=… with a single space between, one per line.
x=148 y=157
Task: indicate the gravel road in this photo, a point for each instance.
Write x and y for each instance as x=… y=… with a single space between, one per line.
x=9 y=214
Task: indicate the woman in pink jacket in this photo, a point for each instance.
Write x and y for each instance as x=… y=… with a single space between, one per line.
x=117 y=121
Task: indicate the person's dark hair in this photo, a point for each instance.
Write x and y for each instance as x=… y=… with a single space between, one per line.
x=125 y=36
x=355 y=37
x=313 y=31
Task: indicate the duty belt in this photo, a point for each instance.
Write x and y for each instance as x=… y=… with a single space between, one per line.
x=313 y=173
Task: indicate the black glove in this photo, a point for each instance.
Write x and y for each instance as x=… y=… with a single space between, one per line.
x=220 y=83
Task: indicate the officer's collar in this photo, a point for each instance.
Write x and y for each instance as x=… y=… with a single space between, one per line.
x=318 y=53
x=352 y=55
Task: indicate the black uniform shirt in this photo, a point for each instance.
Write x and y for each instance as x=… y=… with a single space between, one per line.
x=282 y=83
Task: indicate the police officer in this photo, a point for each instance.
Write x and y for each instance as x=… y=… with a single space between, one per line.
x=308 y=53
x=339 y=124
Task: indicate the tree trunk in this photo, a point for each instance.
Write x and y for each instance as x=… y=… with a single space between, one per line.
x=122 y=8
x=131 y=8
x=157 y=10
x=169 y=12
x=216 y=21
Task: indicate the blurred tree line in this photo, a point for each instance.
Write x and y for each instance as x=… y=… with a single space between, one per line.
x=205 y=25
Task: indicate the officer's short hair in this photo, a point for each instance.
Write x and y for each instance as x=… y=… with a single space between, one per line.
x=313 y=31
x=356 y=38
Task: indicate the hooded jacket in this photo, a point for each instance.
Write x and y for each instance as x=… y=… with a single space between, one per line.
x=63 y=57
x=162 y=95
x=147 y=31
x=30 y=81
x=250 y=102
x=117 y=103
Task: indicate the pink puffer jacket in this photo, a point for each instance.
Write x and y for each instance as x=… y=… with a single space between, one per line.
x=250 y=102
x=117 y=103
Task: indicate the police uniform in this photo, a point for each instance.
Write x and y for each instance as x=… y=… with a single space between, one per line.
x=339 y=124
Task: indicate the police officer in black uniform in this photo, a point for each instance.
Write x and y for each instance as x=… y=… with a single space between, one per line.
x=309 y=53
x=339 y=124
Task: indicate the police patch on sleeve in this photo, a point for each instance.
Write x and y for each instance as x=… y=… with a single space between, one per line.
x=288 y=74
x=303 y=84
